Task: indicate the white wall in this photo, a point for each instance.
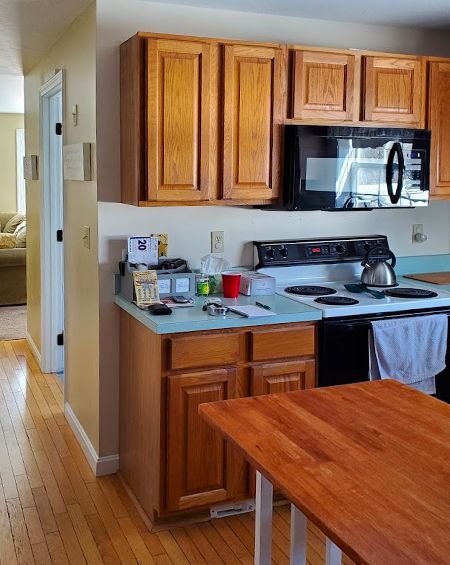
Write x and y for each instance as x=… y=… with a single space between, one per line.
x=188 y=227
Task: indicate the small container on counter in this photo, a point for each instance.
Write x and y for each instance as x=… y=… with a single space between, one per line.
x=202 y=284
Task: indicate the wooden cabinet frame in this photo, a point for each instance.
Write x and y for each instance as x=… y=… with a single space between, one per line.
x=216 y=164
x=439 y=123
x=159 y=395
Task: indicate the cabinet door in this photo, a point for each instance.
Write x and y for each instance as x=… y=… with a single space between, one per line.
x=202 y=468
x=393 y=90
x=253 y=102
x=178 y=120
x=283 y=377
x=439 y=123
x=323 y=86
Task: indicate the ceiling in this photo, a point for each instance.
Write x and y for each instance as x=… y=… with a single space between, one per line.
x=411 y=13
x=29 y=27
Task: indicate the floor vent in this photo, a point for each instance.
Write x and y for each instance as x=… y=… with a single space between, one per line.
x=232 y=509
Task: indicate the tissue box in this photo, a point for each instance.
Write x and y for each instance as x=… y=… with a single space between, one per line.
x=256 y=284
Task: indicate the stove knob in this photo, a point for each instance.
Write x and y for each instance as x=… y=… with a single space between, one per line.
x=270 y=252
x=367 y=246
x=340 y=248
x=284 y=252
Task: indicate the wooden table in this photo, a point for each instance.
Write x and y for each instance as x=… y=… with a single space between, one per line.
x=368 y=463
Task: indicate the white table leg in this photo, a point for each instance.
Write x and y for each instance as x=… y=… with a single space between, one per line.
x=263 y=521
x=333 y=554
x=299 y=525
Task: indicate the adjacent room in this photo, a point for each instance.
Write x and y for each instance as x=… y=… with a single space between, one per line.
x=13 y=289
x=224 y=282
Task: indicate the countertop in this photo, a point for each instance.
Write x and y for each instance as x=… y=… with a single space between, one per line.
x=195 y=319
x=285 y=310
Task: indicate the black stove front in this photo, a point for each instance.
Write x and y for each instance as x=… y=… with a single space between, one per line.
x=344 y=356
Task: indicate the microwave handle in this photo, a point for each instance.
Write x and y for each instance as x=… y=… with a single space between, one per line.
x=395 y=149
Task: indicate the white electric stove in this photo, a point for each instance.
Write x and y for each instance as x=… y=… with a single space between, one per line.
x=344 y=331
x=314 y=272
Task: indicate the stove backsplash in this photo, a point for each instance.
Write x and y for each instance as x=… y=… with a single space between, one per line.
x=189 y=228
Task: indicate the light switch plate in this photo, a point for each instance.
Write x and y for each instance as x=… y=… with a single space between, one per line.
x=86 y=236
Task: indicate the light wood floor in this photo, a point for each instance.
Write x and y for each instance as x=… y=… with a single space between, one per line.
x=54 y=510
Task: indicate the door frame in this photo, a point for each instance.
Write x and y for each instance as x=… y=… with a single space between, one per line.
x=52 y=252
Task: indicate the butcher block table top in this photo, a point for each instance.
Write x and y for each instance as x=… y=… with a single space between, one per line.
x=368 y=463
x=442 y=278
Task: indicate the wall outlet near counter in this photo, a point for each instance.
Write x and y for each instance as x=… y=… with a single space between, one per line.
x=217 y=242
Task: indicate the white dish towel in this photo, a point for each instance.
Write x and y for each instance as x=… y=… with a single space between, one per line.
x=410 y=350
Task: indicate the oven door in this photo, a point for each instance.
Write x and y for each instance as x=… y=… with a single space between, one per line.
x=356 y=168
x=344 y=355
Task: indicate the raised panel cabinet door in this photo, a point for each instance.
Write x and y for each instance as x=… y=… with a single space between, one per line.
x=393 y=90
x=201 y=468
x=439 y=123
x=283 y=377
x=253 y=102
x=178 y=120
x=323 y=86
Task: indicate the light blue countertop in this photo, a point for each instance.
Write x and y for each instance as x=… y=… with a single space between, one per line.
x=285 y=310
x=195 y=319
x=424 y=264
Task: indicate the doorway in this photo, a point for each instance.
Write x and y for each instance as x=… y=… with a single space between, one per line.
x=52 y=221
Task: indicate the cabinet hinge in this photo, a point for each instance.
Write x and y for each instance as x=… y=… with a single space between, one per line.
x=60 y=339
x=59 y=236
x=58 y=128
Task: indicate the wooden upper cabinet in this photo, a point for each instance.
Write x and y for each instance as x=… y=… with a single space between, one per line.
x=253 y=105
x=393 y=90
x=178 y=120
x=439 y=123
x=325 y=86
x=202 y=468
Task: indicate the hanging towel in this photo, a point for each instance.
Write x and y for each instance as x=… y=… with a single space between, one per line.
x=410 y=350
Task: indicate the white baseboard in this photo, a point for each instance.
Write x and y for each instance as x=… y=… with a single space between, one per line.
x=34 y=348
x=106 y=465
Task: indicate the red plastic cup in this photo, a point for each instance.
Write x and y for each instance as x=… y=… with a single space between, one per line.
x=231 y=283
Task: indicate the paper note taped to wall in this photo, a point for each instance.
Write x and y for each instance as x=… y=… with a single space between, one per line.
x=143 y=250
x=77 y=161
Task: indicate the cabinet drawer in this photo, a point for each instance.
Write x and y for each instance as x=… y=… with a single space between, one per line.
x=204 y=351
x=281 y=343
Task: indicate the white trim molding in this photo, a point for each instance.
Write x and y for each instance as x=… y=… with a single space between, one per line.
x=34 y=348
x=107 y=465
x=51 y=109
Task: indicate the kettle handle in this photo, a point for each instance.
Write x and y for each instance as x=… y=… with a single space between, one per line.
x=379 y=247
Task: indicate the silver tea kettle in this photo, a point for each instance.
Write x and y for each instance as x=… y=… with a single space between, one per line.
x=378 y=272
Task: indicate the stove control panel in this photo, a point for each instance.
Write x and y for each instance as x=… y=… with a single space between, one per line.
x=307 y=251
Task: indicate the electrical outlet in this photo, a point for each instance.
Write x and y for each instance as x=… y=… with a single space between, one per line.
x=217 y=242
x=86 y=236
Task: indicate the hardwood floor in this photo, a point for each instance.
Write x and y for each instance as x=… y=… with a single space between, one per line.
x=54 y=510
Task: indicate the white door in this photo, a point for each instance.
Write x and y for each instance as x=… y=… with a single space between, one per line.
x=52 y=221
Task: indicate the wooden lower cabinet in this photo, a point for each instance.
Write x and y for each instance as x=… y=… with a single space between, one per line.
x=283 y=377
x=200 y=466
x=172 y=461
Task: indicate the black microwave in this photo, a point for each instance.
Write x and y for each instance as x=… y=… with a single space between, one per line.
x=355 y=168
